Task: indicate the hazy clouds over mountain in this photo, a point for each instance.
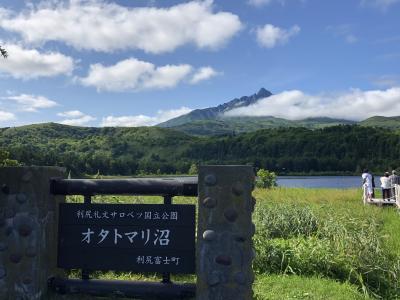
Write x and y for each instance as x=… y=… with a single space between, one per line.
x=352 y=105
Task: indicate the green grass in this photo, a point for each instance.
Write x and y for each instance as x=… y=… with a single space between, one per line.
x=328 y=233
x=311 y=244
x=132 y=199
x=266 y=287
x=280 y=287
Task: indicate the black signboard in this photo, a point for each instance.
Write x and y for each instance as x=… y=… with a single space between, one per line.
x=127 y=237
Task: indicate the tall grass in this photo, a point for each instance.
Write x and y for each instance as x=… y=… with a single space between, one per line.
x=329 y=233
x=279 y=287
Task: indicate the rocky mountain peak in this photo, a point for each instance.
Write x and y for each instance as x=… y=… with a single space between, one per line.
x=263 y=93
x=216 y=112
x=242 y=101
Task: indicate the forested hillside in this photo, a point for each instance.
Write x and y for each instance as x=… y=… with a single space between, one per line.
x=110 y=150
x=338 y=148
x=237 y=125
x=384 y=122
x=126 y=151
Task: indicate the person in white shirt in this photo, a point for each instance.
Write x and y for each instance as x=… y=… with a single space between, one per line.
x=386 y=186
x=367 y=184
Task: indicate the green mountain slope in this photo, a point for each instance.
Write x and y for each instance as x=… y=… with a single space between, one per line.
x=223 y=126
x=340 y=148
x=126 y=151
x=379 y=121
x=110 y=150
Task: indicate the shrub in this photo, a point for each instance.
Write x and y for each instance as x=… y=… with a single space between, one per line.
x=193 y=170
x=5 y=161
x=265 y=179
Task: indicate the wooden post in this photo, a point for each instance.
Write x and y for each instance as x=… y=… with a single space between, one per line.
x=224 y=236
x=28 y=228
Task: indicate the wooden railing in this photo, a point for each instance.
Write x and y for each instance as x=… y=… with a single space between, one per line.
x=393 y=200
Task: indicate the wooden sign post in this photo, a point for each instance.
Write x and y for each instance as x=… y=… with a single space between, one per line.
x=28 y=231
x=127 y=237
x=224 y=233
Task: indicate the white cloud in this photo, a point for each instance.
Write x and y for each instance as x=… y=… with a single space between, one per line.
x=106 y=26
x=353 y=105
x=203 y=73
x=165 y=115
x=6 y=116
x=381 y=4
x=142 y=120
x=259 y=3
x=71 y=114
x=30 y=63
x=133 y=74
x=75 y=118
x=270 y=36
x=31 y=103
x=167 y=76
x=128 y=121
x=124 y=75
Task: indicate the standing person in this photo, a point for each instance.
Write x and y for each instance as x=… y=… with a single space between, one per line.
x=367 y=184
x=394 y=179
x=386 y=186
x=373 y=184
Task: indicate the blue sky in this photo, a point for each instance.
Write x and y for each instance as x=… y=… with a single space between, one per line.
x=133 y=63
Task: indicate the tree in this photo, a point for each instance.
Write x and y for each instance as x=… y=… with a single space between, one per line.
x=265 y=179
x=5 y=161
x=3 y=52
x=193 y=170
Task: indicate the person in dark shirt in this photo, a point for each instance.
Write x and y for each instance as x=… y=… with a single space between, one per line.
x=373 y=185
x=394 y=179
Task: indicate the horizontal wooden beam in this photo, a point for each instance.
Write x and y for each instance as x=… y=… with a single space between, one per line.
x=176 y=186
x=123 y=288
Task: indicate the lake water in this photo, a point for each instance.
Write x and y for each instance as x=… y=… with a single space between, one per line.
x=337 y=182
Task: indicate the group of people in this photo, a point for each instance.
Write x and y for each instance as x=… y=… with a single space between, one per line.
x=387 y=184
